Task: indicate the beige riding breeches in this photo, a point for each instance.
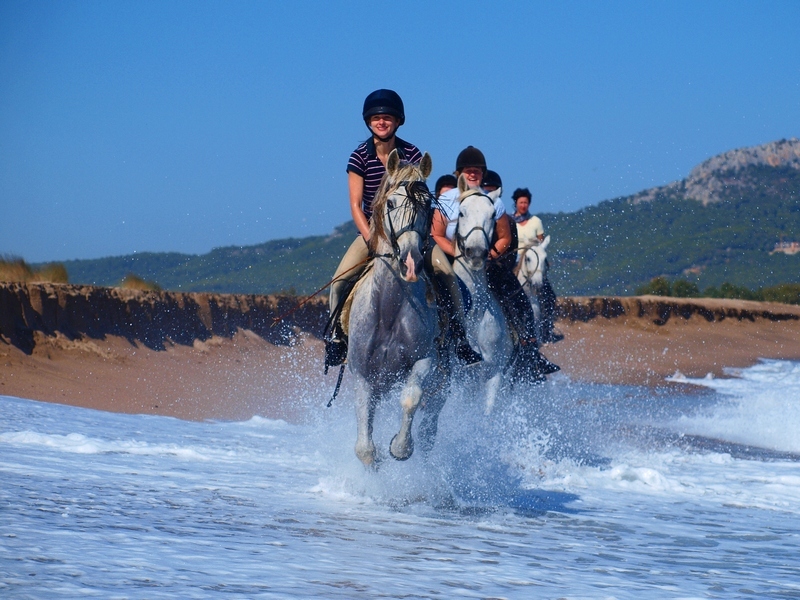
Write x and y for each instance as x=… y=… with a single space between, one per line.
x=350 y=268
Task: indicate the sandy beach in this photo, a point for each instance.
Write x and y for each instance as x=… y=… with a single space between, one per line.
x=241 y=374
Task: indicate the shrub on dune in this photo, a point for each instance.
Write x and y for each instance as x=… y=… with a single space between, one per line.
x=13 y=268
x=131 y=281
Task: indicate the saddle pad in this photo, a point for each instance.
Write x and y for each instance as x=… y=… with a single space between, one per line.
x=344 y=316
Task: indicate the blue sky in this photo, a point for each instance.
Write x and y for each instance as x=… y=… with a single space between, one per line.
x=184 y=126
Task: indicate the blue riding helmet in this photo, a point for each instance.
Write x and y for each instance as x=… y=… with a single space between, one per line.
x=384 y=102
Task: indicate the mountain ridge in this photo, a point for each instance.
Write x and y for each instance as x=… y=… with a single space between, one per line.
x=707 y=180
x=717 y=225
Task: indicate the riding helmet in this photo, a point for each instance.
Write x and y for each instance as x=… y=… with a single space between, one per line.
x=443 y=181
x=491 y=178
x=384 y=102
x=520 y=192
x=470 y=157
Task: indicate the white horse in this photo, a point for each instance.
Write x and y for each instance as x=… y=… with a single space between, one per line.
x=531 y=273
x=393 y=322
x=484 y=322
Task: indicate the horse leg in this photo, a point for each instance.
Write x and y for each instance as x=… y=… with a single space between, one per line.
x=402 y=446
x=429 y=424
x=365 y=413
x=537 y=316
x=492 y=389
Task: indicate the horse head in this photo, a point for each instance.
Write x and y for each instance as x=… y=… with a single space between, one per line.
x=401 y=221
x=533 y=265
x=475 y=227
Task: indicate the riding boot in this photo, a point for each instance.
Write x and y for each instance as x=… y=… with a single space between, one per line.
x=464 y=351
x=335 y=349
x=535 y=365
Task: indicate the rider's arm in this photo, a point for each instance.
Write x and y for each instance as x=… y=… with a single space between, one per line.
x=356 y=185
x=439 y=233
x=503 y=229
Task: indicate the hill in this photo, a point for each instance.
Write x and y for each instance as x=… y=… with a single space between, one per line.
x=719 y=224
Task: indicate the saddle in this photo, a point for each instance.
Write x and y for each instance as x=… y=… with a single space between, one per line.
x=341 y=317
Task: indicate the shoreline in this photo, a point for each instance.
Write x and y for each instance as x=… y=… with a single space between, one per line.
x=231 y=364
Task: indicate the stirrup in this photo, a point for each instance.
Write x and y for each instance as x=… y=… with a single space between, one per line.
x=335 y=353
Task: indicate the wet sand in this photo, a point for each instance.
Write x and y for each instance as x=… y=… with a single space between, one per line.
x=244 y=375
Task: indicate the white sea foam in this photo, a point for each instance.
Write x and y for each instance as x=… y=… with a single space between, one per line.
x=763 y=408
x=567 y=491
x=80 y=444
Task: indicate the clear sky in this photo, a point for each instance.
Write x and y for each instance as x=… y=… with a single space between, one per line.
x=183 y=125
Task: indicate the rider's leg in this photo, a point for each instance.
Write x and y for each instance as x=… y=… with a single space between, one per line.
x=351 y=266
x=450 y=296
x=518 y=311
x=547 y=300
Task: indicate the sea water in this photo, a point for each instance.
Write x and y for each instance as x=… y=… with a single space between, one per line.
x=565 y=491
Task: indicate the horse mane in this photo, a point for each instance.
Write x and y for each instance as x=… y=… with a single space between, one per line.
x=405 y=173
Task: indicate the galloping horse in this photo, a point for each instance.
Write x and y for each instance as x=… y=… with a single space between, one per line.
x=393 y=322
x=532 y=270
x=484 y=321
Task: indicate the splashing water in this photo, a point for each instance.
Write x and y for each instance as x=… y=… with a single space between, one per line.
x=567 y=490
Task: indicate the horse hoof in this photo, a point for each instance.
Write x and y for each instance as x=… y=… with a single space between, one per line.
x=407 y=456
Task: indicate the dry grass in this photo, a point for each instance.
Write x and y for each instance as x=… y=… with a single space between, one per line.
x=132 y=281
x=13 y=268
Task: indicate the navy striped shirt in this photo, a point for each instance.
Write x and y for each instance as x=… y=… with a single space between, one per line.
x=364 y=162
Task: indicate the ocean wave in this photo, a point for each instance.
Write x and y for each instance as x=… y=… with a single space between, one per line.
x=763 y=407
x=78 y=443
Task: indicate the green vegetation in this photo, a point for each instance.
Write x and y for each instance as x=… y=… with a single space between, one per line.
x=618 y=246
x=296 y=264
x=787 y=293
x=614 y=248
x=13 y=268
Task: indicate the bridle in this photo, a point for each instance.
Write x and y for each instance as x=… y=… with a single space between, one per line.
x=462 y=240
x=530 y=273
x=417 y=193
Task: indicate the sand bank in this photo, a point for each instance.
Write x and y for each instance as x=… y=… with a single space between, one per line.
x=201 y=356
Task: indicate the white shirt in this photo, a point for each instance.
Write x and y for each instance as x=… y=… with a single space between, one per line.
x=448 y=205
x=529 y=232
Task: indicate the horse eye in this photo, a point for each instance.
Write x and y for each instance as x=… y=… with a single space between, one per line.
x=391 y=205
x=461 y=213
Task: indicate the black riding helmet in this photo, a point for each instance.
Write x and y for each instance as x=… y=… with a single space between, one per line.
x=384 y=102
x=491 y=178
x=443 y=181
x=470 y=157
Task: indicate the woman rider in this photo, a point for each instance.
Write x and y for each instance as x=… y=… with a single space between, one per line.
x=531 y=233
x=529 y=227
x=383 y=113
x=471 y=163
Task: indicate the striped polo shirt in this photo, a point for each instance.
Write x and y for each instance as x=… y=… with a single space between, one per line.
x=365 y=163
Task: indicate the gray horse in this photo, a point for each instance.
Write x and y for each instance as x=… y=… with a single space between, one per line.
x=393 y=322
x=484 y=320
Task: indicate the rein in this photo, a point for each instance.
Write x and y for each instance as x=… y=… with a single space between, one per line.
x=276 y=320
x=419 y=195
x=529 y=275
x=461 y=240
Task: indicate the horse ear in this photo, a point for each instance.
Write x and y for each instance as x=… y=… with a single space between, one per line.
x=462 y=184
x=494 y=195
x=545 y=242
x=426 y=165
x=392 y=162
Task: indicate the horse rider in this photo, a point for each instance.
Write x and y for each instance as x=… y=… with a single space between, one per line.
x=471 y=163
x=531 y=233
x=383 y=113
x=445 y=183
x=492 y=182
